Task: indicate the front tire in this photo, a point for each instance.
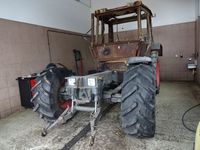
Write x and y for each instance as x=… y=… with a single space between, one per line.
x=138 y=101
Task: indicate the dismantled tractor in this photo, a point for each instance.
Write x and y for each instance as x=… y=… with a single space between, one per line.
x=128 y=72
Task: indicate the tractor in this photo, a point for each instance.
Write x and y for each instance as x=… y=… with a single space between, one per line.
x=128 y=73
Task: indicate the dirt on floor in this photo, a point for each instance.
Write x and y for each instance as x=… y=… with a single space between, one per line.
x=22 y=131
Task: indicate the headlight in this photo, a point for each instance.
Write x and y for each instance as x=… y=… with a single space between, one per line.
x=91 y=82
x=71 y=81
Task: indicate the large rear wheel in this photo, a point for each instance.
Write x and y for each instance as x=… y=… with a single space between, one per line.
x=46 y=92
x=138 y=101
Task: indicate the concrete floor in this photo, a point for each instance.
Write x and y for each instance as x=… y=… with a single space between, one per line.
x=22 y=130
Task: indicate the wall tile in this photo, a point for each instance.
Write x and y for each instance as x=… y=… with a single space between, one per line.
x=5 y=113
x=15 y=102
x=24 y=50
x=5 y=105
x=4 y=94
x=13 y=91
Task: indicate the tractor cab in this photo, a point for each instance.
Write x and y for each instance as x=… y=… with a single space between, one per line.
x=109 y=45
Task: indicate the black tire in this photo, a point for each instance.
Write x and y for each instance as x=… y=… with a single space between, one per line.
x=51 y=65
x=46 y=93
x=138 y=101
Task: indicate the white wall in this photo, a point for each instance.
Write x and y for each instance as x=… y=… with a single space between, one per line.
x=167 y=11
x=198 y=6
x=74 y=16
x=61 y=14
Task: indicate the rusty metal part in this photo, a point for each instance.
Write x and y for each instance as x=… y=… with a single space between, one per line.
x=103 y=45
x=114 y=51
x=128 y=9
x=120 y=66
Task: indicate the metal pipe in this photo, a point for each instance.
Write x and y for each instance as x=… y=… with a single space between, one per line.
x=82 y=101
x=97 y=31
x=151 y=32
x=102 y=31
x=95 y=103
x=149 y=28
x=139 y=23
x=92 y=30
x=72 y=97
x=110 y=33
x=84 y=108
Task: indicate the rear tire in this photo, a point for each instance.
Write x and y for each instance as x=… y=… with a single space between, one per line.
x=138 y=101
x=46 y=93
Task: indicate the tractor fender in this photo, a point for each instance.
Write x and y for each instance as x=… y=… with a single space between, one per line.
x=137 y=60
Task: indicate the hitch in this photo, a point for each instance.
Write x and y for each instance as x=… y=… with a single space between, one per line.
x=93 y=120
x=66 y=115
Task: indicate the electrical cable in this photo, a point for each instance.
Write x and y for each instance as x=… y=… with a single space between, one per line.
x=183 y=122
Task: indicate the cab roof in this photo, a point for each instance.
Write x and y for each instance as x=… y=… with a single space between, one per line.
x=112 y=16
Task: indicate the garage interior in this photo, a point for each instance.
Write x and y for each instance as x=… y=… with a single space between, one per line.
x=35 y=33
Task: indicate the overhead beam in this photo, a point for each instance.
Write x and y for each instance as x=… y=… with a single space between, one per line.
x=127 y=19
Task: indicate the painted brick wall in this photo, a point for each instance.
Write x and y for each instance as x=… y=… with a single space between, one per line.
x=62 y=46
x=177 y=39
x=24 y=50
